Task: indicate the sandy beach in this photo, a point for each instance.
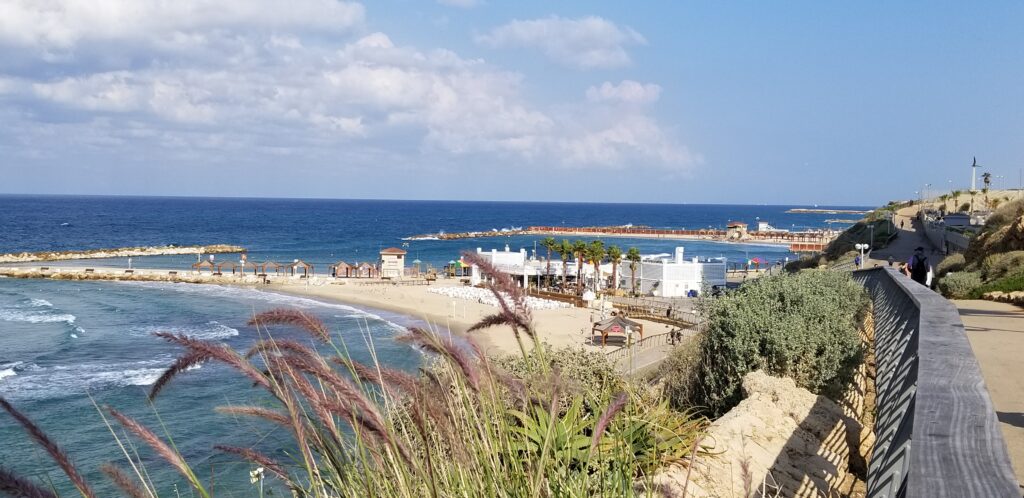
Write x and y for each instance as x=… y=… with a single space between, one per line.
x=558 y=327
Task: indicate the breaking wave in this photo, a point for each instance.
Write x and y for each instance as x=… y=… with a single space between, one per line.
x=209 y=331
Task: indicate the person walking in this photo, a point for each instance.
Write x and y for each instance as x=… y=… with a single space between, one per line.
x=891 y=260
x=918 y=266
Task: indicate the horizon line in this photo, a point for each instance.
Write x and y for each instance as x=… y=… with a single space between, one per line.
x=230 y=197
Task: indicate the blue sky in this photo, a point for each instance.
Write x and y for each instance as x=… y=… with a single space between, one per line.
x=722 y=102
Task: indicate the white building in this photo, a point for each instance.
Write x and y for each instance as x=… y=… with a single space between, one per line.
x=520 y=265
x=392 y=262
x=674 y=277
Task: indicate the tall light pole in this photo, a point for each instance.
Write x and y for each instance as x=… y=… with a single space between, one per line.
x=974 y=181
x=861 y=248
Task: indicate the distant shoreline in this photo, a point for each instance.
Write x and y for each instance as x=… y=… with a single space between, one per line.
x=824 y=211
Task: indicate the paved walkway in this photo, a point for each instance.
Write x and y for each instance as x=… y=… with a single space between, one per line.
x=911 y=236
x=996 y=333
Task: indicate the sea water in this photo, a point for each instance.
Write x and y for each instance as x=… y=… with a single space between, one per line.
x=67 y=347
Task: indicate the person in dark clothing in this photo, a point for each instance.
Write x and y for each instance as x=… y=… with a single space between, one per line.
x=918 y=265
x=891 y=260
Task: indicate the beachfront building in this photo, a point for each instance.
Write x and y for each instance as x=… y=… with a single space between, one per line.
x=765 y=227
x=524 y=269
x=736 y=230
x=366 y=270
x=392 y=262
x=675 y=276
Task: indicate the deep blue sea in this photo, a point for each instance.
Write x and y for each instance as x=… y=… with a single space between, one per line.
x=67 y=345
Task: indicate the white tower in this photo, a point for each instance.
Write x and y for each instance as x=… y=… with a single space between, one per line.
x=974 y=175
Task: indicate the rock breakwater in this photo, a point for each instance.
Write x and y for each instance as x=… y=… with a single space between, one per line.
x=123 y=252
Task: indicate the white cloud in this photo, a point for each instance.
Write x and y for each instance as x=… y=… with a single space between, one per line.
x=229 y=91
x=627 y=91
x=465 y=4
x=587 y=42
x=628 y=137
x=61 y=24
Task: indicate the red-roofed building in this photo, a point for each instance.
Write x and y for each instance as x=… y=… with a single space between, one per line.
x=392 y=262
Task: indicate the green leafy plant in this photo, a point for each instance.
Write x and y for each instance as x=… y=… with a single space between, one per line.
x=998 y=265
x=1010 y=283
x=953 y=262
x=959 y=285
x=803 y=326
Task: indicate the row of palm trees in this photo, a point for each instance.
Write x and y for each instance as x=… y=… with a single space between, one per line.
x=954 y=196
x=594 y=252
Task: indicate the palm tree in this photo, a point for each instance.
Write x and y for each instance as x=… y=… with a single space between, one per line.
x=579 y=248
x=956 y=199
x=564 y=250
x=615 y=254
x=595 y=253
x=549 y=244
x=633 y=255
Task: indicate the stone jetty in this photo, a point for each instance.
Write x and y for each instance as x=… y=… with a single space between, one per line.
x=123 y=252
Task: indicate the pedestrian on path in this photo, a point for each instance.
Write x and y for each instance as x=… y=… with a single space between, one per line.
x=918 y=265
x=891 y=260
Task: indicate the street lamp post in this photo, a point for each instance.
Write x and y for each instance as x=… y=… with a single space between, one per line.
x=861 y=248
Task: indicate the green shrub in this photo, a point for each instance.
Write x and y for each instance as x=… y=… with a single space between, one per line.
x=953 y=262
x=679 y=372
x=1010 y=283
x=1005 y=214
x=588 y=373
x=803 y=326
x=958 y=285
x=1001 y=264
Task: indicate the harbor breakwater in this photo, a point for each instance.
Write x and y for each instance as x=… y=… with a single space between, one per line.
x=123 y=252
x=813 y=240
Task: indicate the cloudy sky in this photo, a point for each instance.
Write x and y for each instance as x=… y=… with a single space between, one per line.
x=807 y=102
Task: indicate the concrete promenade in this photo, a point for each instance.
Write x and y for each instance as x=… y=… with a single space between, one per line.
x=995 y=331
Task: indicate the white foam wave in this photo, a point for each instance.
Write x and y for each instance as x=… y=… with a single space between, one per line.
x=209 y=331
x=273 y=298
x=40 y=303
x=34 y=316
x=73 y=380
x=7 y=372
